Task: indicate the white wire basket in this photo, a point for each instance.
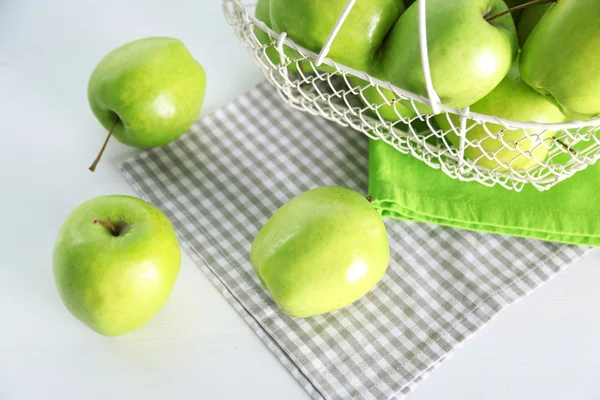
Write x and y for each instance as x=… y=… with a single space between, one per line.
x=339 y=93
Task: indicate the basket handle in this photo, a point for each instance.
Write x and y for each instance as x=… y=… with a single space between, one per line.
x=431 y=93
x=336 y=28
x=463 y=136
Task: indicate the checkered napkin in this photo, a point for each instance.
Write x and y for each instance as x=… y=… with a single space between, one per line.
x=222 y=181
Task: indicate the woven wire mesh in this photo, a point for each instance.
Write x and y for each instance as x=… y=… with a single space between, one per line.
x=465 y=146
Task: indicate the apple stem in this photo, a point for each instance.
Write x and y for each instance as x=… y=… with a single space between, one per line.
x=107 y=224
x=370 y=199
x=563 y=144
x=520 y=6
x=97 y=160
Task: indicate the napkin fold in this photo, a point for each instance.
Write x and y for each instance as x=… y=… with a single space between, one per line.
x=405 y=188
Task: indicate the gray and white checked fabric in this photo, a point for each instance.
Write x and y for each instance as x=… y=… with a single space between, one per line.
x=222 y=181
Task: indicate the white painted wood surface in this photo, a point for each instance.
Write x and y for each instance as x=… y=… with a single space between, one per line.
x=545 y=347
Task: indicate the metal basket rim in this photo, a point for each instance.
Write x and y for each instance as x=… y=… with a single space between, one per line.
x=456 y=166
x=571 y=124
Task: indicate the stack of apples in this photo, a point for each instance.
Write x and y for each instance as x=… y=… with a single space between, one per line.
x=522 y=60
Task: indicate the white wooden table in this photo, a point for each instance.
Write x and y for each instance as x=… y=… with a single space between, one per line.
x=546 y=347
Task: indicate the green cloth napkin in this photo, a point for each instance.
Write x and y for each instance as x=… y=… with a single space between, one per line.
x=405 y=188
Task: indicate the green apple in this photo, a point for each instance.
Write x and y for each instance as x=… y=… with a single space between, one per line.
x=147 y=92
x=468 y=56
x=309 y=22
x=529 y=19
x=262 y=13
x=321 y=251
x=371 y=96
x=511 y=99
x=115 y=262
x=561 y=57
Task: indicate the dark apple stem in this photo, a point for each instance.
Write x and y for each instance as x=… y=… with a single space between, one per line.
x=107 y=224
x=563 y=144
x=97 y=160
x=370 y=199
x=520 y=6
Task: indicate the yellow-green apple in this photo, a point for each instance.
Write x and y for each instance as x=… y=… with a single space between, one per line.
x=468 y=55
x=321 y=251
x=262 y=13
x=115 y=262
x=147 y=92
x=309 y=22
x=511 y=99
x=561 y=57
x=378 y=98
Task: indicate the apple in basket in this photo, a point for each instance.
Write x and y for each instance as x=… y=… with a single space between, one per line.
x=466 y=63
x=309 y=22
x=561 y=57
x=511 y=99
x=379 y=99
x=115 y=261
x=321 y=251
x=147 y=92
x=262 y=13
x=468 y=56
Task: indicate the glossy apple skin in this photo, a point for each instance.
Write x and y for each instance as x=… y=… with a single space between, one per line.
x=153 y=86
x=511 y=99
x=116 y=284
x=309 y=22
x=468 y=56
x=561 y=57
x=321 y=251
